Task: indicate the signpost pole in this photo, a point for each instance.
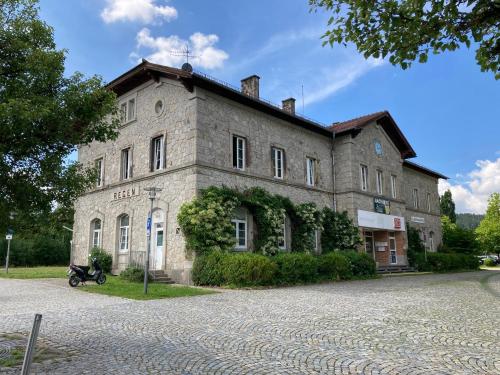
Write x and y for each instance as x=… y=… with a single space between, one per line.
x=7 y=258
x=152 y=195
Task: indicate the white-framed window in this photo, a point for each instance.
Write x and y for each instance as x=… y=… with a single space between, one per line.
x=369 y=244
x=99 y=165
x=158 y=153
x=127 y=110
x=124 y=233
x=96 y=233
x=239 y=152
x=126 y=164
x=431 y=241
x=415 y=198
x=394 y=193
x=315 y=238
x=282 y=238
x=278 y=162
x=429 y=202
x=310 y=171
x=363 y=170
x=240 y=232
x=380 y=182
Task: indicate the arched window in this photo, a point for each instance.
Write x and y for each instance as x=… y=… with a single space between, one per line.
x=124 y=233
x=431 y=241
x=95 y=228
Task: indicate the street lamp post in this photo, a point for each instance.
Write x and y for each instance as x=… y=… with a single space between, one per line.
x=152 y=195
x=9 y=235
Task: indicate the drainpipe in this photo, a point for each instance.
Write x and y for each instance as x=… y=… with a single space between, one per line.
x=333 y=172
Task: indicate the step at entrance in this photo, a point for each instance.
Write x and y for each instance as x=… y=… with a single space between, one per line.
x=159 y=276
x=394 y=269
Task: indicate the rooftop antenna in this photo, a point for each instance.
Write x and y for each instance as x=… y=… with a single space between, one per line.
x=186 y=52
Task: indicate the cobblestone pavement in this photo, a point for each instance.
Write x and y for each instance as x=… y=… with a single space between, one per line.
x=428 y=324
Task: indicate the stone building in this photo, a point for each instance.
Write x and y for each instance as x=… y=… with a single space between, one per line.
x=183 y=131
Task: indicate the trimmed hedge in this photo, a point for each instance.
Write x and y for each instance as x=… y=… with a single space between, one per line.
x=488 y=262
x=362 y=264
x=247 y=269
x=296 y=268
x=444 y=262
x=37 y=251
x=250 y=269
x=334 y=266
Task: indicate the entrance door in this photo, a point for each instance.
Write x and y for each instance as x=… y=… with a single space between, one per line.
x=157 y=240
x=369 y=246
x=392 y=247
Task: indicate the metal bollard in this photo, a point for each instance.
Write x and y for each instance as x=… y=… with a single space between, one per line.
x=30 y=350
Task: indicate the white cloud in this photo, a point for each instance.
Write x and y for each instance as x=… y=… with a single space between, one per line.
x=336 y=79
x=472 y=195
x=164 y=50
x=145 y=11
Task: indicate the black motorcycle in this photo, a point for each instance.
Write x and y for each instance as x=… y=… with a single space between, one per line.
x=80 y=274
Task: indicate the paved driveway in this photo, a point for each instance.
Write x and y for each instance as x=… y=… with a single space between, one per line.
x=433 y=324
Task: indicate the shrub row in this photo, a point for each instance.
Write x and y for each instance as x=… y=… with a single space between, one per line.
x=444 y=262
x=134 y=274
x=37 y=251
x=104 y=259
x=249 y=269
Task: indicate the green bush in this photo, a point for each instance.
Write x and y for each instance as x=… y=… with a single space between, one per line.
x=134 y=274
x=488 y=262
x=296 y=268
x=207 y=269
x=444 y=262
x=362 y=264
x=247 y=269
x=334 y=266
x=36 y=251
x=104 y=259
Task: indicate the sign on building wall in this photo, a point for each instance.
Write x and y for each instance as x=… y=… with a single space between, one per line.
x=382 y=206
x=375 y=220
x=419 y=220
x=126 y=193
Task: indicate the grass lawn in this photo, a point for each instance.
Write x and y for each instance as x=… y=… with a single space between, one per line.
x=118 y=287
x=34 y=272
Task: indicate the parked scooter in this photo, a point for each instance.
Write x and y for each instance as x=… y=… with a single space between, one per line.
x=80 y=274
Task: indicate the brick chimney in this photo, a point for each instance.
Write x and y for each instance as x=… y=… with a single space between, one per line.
x=250 y=86
x=288 y=105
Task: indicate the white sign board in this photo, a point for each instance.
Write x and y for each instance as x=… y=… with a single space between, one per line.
x=8 y=236
x=416 y=219
x=375 y=220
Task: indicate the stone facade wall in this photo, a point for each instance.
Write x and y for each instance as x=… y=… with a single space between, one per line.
x=422 y=218
x=177 y=123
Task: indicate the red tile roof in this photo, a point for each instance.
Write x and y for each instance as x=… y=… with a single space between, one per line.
x=357 y=122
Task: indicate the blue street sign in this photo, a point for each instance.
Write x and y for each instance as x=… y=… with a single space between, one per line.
x=10 y=231
x=148 y=225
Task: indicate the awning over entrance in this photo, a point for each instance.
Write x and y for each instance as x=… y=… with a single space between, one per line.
x=375 y=220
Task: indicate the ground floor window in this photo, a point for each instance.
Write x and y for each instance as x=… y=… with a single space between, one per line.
x=240 y=231
x=431 y=241
x=124 y=233
x=392 y=248
x=96 y=232
x=282 y=239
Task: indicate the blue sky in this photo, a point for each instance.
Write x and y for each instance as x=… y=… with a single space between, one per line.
x=447 y=108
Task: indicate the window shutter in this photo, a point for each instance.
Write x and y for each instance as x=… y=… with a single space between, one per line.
x=283 y=156
x=273 y=163
x=235 y=151
x=164 y=151
x=131 y=162
x=316 y=172
x=151 y=154
x=247 y=153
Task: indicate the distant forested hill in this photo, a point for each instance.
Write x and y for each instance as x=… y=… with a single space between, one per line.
x=469 y=221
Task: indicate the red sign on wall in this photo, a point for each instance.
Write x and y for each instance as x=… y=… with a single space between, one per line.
x=397 y=223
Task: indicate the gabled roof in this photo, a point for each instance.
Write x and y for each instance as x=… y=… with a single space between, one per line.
x=422 y=169
x=146 y=71
x=383 y=118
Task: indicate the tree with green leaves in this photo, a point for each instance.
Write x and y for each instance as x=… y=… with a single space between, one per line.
x=447 y=206
x=457 y=239
x=44 y=115
x=339 y=232
x=488 y=231
x=408 y=30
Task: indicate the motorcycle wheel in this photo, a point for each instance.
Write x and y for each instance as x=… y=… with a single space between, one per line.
x=74 y=281
x=101 y=279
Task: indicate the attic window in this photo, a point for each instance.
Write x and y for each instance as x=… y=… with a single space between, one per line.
x=127 y=110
